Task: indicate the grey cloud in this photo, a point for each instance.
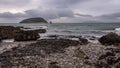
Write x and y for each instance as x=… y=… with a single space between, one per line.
x=14 y=2
x=47 y=13
x=57 y=9
x=11 y=15
x=83 y=15
x=111 y=16
x=50 y=13
x=61 y=3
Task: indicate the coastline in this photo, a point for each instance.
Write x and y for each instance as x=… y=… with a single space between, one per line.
x=58 y=51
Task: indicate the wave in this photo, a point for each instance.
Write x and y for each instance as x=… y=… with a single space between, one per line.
x=34 y=27
x=117 y=29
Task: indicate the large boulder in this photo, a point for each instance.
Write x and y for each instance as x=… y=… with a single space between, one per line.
x=83 y=40
x=17 y=33
x=110 y=39
x=26 y=35
x=7 y=32
x=34 y=20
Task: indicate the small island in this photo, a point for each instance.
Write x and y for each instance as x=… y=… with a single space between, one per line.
x=34 y=20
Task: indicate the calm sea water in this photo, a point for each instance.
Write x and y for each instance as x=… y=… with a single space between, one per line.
x=85 y=29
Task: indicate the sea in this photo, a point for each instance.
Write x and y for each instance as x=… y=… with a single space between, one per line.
x=76 y=29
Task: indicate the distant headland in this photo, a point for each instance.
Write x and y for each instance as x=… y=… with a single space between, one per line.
x=34 y=20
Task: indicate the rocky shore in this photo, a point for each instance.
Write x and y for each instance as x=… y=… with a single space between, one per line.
x=59 y=52
x=20 y=33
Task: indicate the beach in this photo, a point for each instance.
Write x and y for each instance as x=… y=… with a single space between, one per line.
x=59 y=49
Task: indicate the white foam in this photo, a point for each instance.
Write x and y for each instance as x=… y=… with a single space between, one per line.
x=117 y=29
x=34 y=28
x=8 y=40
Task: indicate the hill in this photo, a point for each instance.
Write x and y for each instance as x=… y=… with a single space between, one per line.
x=34 y=20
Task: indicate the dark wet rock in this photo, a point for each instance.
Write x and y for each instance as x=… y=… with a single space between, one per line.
x=118 y=60
x=55 y=36
x=26 y=35
x=0 y=38
x=87 y=62
x=56 y=45
x=46 y=45
x=83 y=40
x=72 y=36
x=34 y=20
x=92 y=38
x=110 y=39
x=114 y=50
x=17 y=33
x=118 y=65
x=102 y=65
x=53 y=65
x=110 y=54
x=106 y=55
x=8 y=32
x=86 y=57
x=111 y=60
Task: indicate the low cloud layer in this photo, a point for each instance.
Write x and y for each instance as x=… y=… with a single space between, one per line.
x=60 y=10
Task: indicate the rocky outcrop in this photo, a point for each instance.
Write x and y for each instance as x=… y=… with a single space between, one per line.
x=109 y=59
x=26 y=35
x=110 y=39
x=83 y=40
x=16 y=56
x=8 y=32
x=34 y=20
x=17 y=33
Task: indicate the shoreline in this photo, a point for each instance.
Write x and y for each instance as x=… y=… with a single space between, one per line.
x=58 y=51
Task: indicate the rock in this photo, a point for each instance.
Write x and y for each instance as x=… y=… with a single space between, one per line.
x=83 y=40
x=79 y=53
x=55 y=36
x=17 y=33
x=118 y=60
x=53 y=65
x=111 y=60
x=92 y=38
x=106 y=55
x=113 y=50
x=110 y=39
x=118 y=66
x=56 y=45
x=46 y=46
x=26 y=35
x=34 y=20
x=0 y=38
x=102 y=65
x=8 y=32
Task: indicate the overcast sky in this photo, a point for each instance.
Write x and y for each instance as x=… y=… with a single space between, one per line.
x=60 y=11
